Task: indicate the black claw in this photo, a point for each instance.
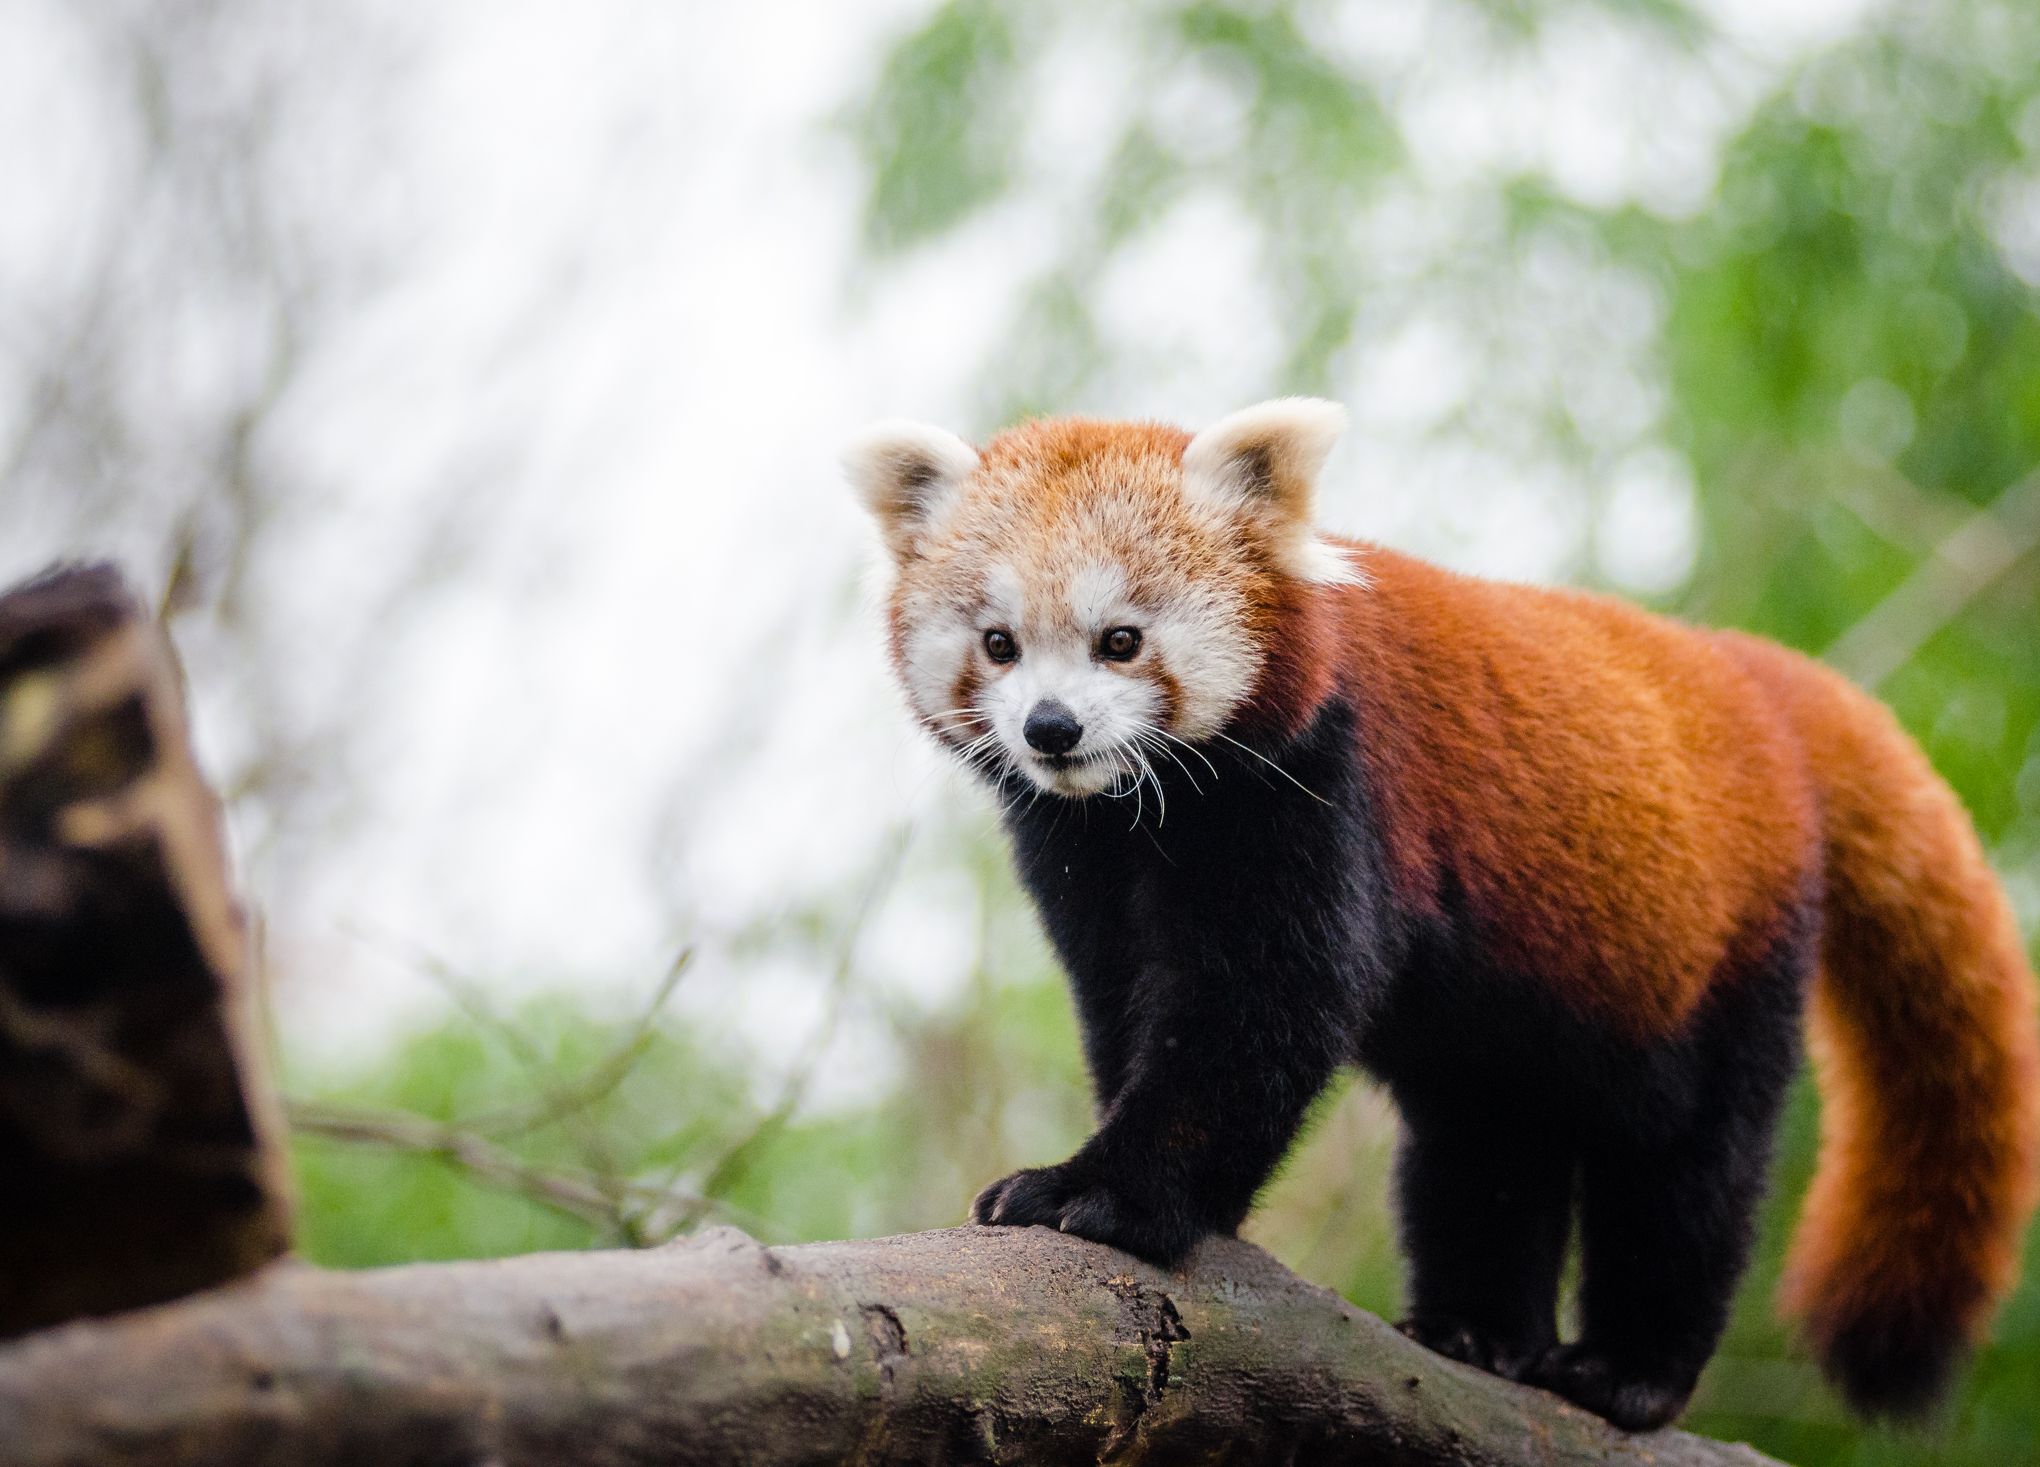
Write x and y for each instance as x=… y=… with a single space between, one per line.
x=1037 y=1195
x=1069 y=1199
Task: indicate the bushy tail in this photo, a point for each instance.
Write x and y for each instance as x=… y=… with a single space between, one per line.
x=1927 y=1052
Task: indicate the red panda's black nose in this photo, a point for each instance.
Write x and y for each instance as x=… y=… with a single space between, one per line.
x=1052 y=728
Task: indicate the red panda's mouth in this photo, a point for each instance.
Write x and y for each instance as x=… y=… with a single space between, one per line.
x=1061 y=762
x=1098 y=772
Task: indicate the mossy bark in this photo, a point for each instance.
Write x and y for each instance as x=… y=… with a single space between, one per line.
x=966 y=1345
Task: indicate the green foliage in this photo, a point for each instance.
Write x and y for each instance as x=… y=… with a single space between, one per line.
x=1845 y=339
x=992 y=1081
x=945 y=146
x=677 y=1099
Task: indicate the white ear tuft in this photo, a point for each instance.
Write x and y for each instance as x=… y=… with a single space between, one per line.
x=1323 y=562
x=1266 y=454
x=904 y=472
x=1263 y=462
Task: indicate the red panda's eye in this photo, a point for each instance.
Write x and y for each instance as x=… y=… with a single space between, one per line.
x=1000 y=646
x=1120 y=643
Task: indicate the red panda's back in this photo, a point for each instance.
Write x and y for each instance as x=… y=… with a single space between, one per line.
x=1619 y=803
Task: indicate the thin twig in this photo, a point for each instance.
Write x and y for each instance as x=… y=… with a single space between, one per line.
x=576 y=1193
x=600 y=1080
x=603 y=1167
x=738 y=1155
x=1965 y=564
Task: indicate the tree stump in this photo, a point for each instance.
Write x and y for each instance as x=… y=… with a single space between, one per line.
x=138 y=1133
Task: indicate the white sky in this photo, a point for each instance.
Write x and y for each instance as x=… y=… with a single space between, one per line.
x=668 y=542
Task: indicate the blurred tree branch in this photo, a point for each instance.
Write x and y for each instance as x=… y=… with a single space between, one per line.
x=800 y=1075
x=608 y=1200
x=568 y=1105
x=604 y=1190
x=601 y=1191
x=602 y=1078
x=1961 y=567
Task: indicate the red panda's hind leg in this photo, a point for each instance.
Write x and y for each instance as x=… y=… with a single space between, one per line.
x=1668 y=1194
x=1485 y=1206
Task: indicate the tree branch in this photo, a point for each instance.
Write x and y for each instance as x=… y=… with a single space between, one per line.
x=606 y=1199
x=969 y=1345
x=1967 y=562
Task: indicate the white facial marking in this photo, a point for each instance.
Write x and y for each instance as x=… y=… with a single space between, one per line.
x=1058 y=614
x=1108 y=705
x=1098 y=595
x=1200 y=640
x=1005 y=598
x=935 y=651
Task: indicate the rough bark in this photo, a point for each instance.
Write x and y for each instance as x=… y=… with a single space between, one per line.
x=135 y=1128
x=970 y=1345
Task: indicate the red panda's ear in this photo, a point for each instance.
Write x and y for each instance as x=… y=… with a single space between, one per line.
x=1262 y=463
x=904 y=472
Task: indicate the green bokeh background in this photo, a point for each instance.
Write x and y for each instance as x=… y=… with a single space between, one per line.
x=1849 y=361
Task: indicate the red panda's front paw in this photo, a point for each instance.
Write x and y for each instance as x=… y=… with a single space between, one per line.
x=1027 y=1198
x=1062 y=1197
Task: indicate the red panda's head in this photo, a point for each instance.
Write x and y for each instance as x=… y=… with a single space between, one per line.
x=1078 y=591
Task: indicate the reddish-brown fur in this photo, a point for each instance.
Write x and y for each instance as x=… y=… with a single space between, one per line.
x=1620 y=803
x=1629 y=811
x=1924 y=1037
x=1704 y=778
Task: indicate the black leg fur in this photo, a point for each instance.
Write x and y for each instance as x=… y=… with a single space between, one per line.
x=1664 y=1237
x=1226 y=960
x=1485 y=1209
x=1176 y=1159
x=1667 y=1208
x=1221 y=960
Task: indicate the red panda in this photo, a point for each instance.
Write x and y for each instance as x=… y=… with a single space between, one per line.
x=1560 y=873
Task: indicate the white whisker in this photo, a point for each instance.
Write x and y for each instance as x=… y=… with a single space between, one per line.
x=1186 y=744
x=1144 y=732
x=1274 y=766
